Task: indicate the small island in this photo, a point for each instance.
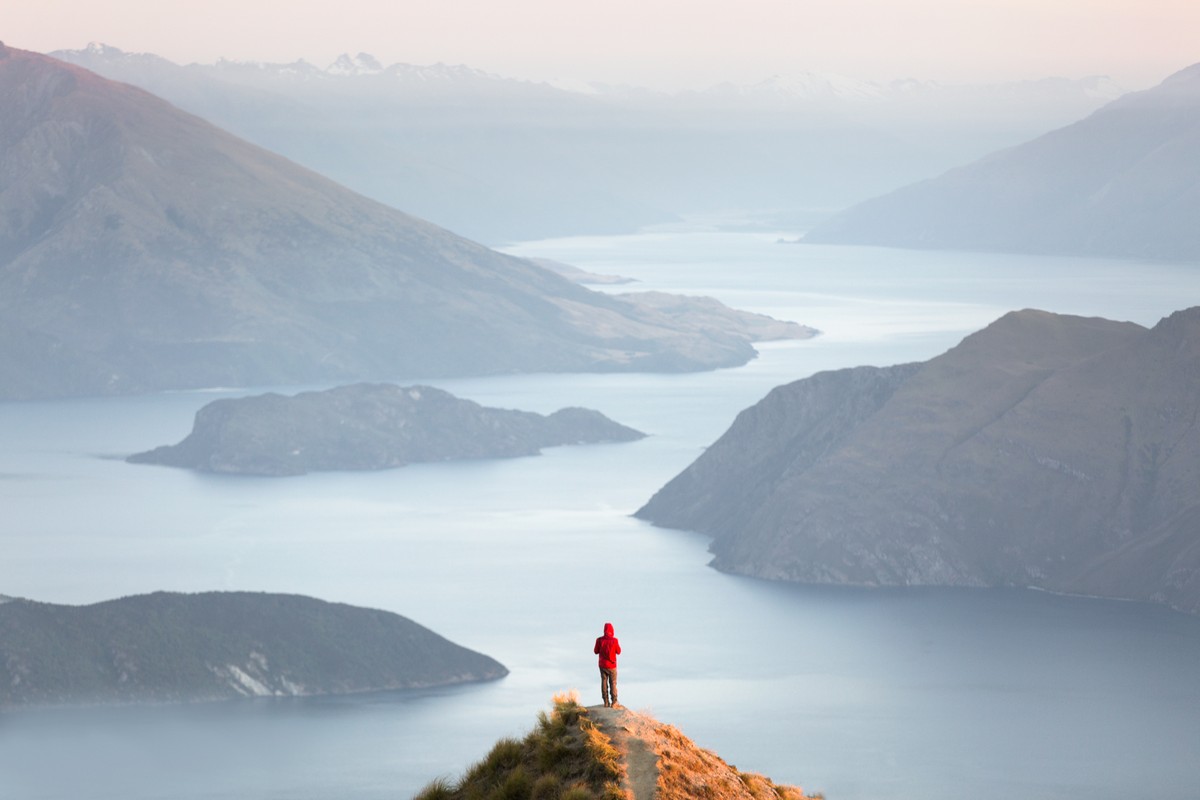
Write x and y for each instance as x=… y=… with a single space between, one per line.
x=169 y=647
x=369 y=426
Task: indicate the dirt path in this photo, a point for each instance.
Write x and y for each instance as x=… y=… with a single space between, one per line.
x=641 y=763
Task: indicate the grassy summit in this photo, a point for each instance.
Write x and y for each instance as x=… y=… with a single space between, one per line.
x=578 y=753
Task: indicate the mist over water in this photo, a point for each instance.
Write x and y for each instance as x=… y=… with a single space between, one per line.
x=859 y=694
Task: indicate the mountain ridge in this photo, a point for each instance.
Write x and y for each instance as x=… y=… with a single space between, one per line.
x=801 y=85
x=502 y=160
x=1046 y=450
x=1121 y=183
x=141 y=249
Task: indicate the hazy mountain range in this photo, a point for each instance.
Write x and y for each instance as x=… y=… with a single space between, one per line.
x=141 y=248
x=499 y=159
x=168 y=647
x=369 y=426
x=1045 y=450
x=1124 y=182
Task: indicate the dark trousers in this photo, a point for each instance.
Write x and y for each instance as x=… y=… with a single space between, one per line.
x=608 y=685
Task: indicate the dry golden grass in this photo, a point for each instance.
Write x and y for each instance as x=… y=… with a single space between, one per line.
x=564 y=758
x=571 y=756
x=689 y=772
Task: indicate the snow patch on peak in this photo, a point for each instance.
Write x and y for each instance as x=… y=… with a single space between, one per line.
x=1102 y=87
x=361 y=64
x=99 y=52
x=102 y=49
x=439 y=73
x=296 y=69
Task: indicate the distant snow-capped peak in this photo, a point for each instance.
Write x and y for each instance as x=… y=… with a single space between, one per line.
x=104 y=53
x=102 y=49
x=816 y=84
x=300 y=68
x=440 y=72
x=1102 y=87
x=361 y=64
x=778 y=91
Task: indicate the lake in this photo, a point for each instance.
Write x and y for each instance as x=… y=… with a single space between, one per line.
x=924 y=693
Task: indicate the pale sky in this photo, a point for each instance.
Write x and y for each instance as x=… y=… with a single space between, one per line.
x=659 y=43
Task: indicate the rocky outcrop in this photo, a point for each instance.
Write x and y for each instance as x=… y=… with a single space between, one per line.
x=369 y=426
x=167 y=647
x=1123 y=182
x=1051 y=451
x=143 y=249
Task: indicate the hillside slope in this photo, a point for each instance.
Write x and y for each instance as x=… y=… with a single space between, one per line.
x=1045 y=450
x=167 y=647
x=143 y=249
x=1123 y=182
x=578 y=753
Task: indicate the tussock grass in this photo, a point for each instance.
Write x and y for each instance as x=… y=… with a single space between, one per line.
x=438 y=789
x=565 y=757
x=688 y=772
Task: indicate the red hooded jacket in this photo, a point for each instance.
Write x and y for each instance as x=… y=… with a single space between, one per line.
x=608 y=648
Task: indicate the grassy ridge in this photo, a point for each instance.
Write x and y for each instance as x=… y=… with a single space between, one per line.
x=564 y=758
x=575 y=755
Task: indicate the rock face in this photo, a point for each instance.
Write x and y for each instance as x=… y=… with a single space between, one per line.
x=1123 y=182
x=369 y=426
x=1045 y=450
x=167 y=647
x=143 y=249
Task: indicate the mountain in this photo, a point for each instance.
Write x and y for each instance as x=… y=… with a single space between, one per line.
x=167 y=647
x=904 y=101
x=1124 y=182
x=1050 y=451
x=369 y=426
x=598 y=753
x=502 y=160
x=143 y=249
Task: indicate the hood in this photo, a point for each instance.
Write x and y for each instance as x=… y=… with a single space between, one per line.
x=608 y=629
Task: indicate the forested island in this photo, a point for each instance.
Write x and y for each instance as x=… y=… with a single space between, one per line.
x=170 y=647
x=369 y=426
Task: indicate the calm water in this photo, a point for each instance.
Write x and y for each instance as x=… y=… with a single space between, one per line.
x=861 y=694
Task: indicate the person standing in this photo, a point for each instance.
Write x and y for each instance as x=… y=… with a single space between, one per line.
x=608 y=648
